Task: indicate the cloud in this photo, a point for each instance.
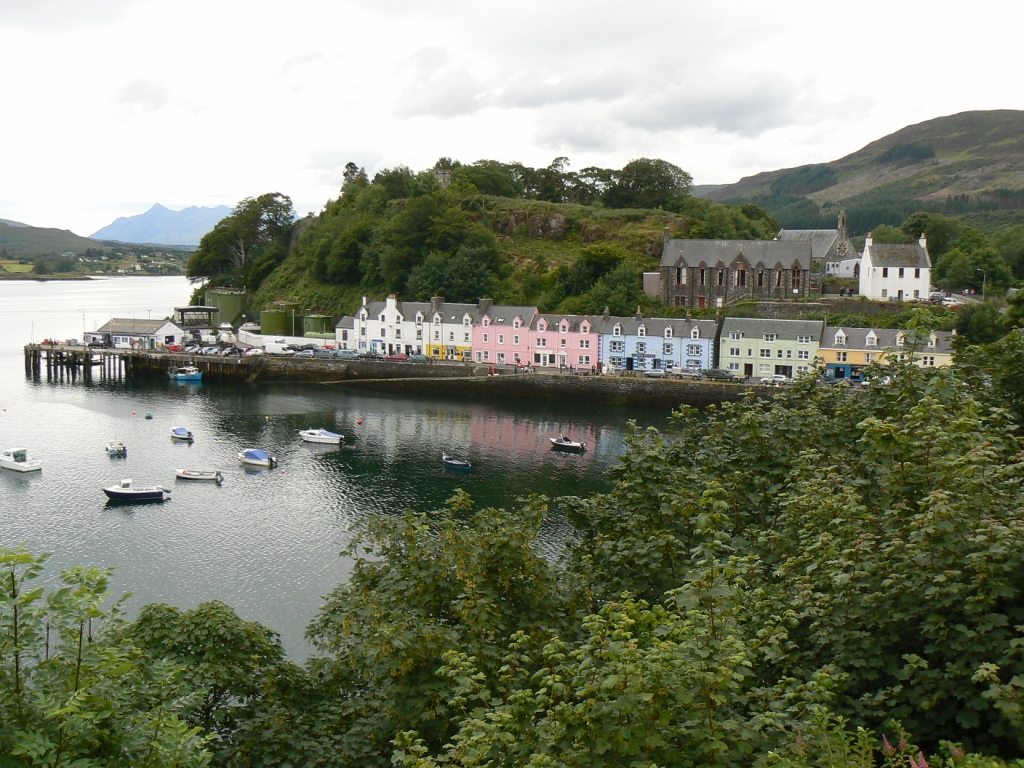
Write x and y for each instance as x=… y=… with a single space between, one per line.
x=143 y=95
x=534 y=91
x=439 y=87
x=58 y=16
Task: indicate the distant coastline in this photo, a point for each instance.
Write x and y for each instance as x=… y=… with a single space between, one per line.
x=44 y=278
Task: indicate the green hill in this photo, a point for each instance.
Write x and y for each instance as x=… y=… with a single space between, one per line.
x=969 y=165
x=20 y=241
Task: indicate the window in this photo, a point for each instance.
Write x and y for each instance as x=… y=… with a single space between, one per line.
x=928 y=360
x=760 y=278
x=917 y=273
x=541 y=341
x=641 y=348
x=693 y=350
x=583 y=360
x=563 y=328
x=750 y=351
x=734 y=366
x=803 y=339
x=840 y=339
x=486 y=322
x=721 y=277
x=779 y=355
x=501 y=358
x=871 y=340
x=486 y=354
x=419 y=334
x=766 y=353
x=802 y=369
x=841 y=357
x=917 y=294
x=617 y=331
x=584 y=343
x=885 y=271
x=667 y=349
x=641 y=331
x=344 y=335
x=695 y=333
x=901 y=272
x=616 y=362
x=398 y=333
x=885 y=293
x=465 y=320
x=668 y=331
x=741 y=278
x=794 y=281
x=703 y=277
x=563 y=343
x=735 y=335
x=451 y=335
x=382 y=318
x=764 y=368
x=585 y=328
x=789 y=354
x=485 y=338
x=616 y=346
x=803 y=354
x=437 y=335
x=465 y=337
x=778 y=278
x=680 y=301
x=516 y=323
x=870 y=357
x=769 y=337
x=501 y=338
x=680 y=275
x=383 y=332
x=734 y=351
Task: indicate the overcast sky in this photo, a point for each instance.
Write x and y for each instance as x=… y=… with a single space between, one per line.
x=110 y=106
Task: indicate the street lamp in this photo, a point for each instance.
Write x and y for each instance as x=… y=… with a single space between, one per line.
x=984 y=279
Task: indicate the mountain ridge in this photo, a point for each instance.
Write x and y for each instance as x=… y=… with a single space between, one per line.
x=163 y=226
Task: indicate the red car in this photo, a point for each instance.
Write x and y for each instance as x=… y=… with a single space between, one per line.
x=398 y=357
x=175 y=347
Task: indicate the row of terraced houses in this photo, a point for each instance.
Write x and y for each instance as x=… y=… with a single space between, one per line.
x=493 y=334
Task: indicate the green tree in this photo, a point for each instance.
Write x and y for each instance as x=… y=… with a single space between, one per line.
x=1010 y=242
x=981 y=323
x=72 y=693
x=941 y=231
x=646 y=183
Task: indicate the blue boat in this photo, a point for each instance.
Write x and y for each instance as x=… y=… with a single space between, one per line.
x=180 y=433
x=186 y=373
x=257 y=457
x=127 y=491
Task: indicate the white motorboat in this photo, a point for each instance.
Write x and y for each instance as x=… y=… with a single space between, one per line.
x=116 y=448
x=563 y=443
x=321 y=436
x=453 y=462
x=180 y=433
x=18 y=460
x=200 y=474
x=126 y=490
x=257 y=457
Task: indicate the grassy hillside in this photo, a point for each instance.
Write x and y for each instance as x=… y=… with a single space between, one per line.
x=970 y=165
x=24 y=241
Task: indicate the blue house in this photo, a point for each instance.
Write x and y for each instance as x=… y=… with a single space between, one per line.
x=650 y=343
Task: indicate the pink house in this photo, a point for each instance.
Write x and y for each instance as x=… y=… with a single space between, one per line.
x=501 y=334
x=565 y=341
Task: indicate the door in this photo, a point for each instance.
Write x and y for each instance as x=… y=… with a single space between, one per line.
x=748 y=370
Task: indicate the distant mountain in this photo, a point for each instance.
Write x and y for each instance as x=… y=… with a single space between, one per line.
x=162 y=226
x=969 y=165
x=10 y=223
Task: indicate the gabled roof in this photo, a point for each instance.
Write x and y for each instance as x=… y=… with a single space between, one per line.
x=856 y=338
x=711 y=252
x=655 y=326
x=502 y=315
x=131 y=326
x=752 y=327
x=821 y=240
x=575 y=321
x=912 y=255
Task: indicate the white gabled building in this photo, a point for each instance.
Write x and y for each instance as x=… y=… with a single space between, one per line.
x=895 y=271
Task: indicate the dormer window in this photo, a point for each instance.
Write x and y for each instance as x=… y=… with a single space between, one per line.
x=542 y=326
x=695 y=333
x=516 y=323
x=931 y=340
x=585 y=328
x=899 y=340
x=641 y=331
x=871 y=340
x=486 y=322
x=735 y=335
x=564 y=328
x=617 y=330
x=668 y=332
x=840 y=339
x=769 y=337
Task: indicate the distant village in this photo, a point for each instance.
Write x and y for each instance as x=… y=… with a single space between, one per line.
x=694 y=273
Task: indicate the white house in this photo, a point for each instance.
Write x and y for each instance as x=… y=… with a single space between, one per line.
x=895 y=271
x=129 y=333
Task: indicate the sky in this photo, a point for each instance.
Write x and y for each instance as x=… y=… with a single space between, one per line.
x=111 y=106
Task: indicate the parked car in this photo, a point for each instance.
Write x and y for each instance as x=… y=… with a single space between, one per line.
x=305 y=353
x=325 y=353
x=686 y=373
x=371 y=356
x=398 y=357
x=253 y=352
x=419 y=359
x=347 y=354
x=655 y=373
x=174 y=347
x=775 y=380
x=717 y=374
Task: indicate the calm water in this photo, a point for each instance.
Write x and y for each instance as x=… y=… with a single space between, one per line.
x=266 y=541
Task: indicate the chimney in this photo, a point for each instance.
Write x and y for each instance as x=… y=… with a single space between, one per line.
x=638 y=315
x=867 y=241
x=923 y=241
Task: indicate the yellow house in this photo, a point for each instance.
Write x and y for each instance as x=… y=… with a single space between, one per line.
x=845 y=351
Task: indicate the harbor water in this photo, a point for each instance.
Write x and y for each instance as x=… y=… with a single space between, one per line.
x=265 y=541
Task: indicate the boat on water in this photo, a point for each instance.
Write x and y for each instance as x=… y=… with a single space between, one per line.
x=563 y=443
x=126 y=490
x=257 y=457
x=116 y=448
x=18 y=460
x=321 y=436
x=453 y=462
x=200 y=474
x=186 y=373
x=181 y=433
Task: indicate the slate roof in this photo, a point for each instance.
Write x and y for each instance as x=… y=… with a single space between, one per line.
x=553 y=322
x=128 y=325
x=821 y=240
x=911 y=255
x=503 y=315
x=712 y=252
x=753 y=327
x=856 y=338
x=655 y=326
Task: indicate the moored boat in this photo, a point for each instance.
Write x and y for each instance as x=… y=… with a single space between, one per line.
x=321 y=436
x=116 y=448
x=186 y=373
x=563 y=443
x=18 y=460
x=453 y=462
x=200 y=474
x=181 y=433
x=126 y=490
x=257 y=457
